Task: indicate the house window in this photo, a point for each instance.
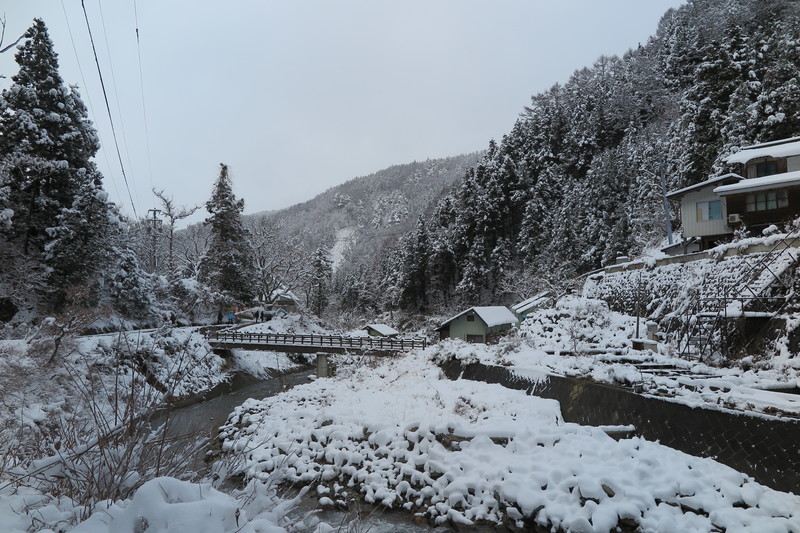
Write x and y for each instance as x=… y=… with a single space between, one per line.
x=766 y=168
x=470 y=318
x=766 y=200
x=709 y=210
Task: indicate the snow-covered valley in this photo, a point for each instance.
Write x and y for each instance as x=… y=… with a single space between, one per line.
x=396 y=433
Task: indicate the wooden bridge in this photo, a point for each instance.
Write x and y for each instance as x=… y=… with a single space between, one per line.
x=284 y=342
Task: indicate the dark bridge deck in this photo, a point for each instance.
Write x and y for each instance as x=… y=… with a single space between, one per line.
x=281 y=342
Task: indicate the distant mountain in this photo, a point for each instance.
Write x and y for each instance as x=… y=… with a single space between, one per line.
x=368 y=212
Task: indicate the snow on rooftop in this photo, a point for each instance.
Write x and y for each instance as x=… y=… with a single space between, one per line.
x=530 y=302
x=494 y=315
x=283 y=293
x=776 y=149
x=706 y=183
x=786 y=179
x=383 y=329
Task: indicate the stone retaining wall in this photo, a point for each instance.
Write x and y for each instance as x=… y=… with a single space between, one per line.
x=767 y=449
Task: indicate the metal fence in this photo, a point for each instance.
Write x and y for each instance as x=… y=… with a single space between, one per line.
x=333 y=341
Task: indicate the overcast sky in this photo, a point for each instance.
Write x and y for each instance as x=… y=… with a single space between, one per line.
x=298 y=96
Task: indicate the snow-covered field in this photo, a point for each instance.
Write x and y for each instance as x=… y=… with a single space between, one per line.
x=398 y=434
x=401 y=435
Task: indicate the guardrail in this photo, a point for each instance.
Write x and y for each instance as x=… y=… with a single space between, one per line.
x=336 y=341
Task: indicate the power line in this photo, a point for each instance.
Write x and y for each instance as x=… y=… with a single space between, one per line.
x=116 y=95
x=88 y=96
x=141 y=85
x=108 y=108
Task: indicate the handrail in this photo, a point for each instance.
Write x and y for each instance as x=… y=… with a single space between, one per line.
x=340 y=341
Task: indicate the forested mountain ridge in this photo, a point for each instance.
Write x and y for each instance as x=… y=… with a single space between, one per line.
x=384 y=203
x=575 y=182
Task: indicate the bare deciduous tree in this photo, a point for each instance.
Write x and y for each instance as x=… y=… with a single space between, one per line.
x=281 y=264
x=191 y=245
x=172 y=214
x=3 y=36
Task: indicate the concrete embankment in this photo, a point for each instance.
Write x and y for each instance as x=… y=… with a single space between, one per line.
x=763 y=447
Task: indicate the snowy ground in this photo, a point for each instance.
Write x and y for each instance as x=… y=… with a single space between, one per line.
x=93 y=372
x=581 y=337
x=403 y=436
x=398 y=434
x=165 y=505
x=49 y=414
x=293 y=323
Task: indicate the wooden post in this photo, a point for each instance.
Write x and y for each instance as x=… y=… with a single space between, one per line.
x=322 y=365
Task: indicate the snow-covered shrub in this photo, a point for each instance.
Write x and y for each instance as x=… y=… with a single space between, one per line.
x=168 y=504
x=577 y=324
x=196 y=301
x=86 y=432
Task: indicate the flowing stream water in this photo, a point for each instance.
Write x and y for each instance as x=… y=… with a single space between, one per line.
x=205 y=415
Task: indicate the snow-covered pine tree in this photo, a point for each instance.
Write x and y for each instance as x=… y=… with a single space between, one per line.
x=319 y=282
x=61 y=223
x=228 y=263
x=415 y=268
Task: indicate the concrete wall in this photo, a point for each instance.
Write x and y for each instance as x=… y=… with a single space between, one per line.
x=679 y=259
x=696 y=228
x=766 y=449
x=793 y=163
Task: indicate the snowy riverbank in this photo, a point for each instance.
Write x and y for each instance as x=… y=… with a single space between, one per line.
x=401 y=435
x=62 y=451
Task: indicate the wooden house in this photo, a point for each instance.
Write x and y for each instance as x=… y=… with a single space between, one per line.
x=770 y=194
x=703 y=213
x=476 y=324
x=381 y=330
x=283 y=299
x=765 y=190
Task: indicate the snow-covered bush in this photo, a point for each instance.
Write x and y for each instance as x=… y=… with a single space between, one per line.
x=85 y=433
x=577 y=324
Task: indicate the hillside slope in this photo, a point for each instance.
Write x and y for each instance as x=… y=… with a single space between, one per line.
x=365 y=213
x=576 y=180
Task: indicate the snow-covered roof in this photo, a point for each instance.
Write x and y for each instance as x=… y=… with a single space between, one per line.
x=494 y=315
x=284 y=294
x=782 y=148
x=787 y=179
x=534 y=301
x=702 y=184
x=383 y=329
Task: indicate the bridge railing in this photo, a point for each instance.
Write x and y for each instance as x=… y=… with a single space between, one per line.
x=338 y=341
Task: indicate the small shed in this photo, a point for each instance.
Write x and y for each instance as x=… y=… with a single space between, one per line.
x=524 y=308
x=381 y=330
x=477 y=323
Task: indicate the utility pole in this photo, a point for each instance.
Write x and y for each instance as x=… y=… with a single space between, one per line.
x=155 y=227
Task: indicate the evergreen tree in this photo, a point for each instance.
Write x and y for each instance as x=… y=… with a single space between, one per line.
x=415 y=268
x=321 y=272
x=61 y=220
x=228 y=263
